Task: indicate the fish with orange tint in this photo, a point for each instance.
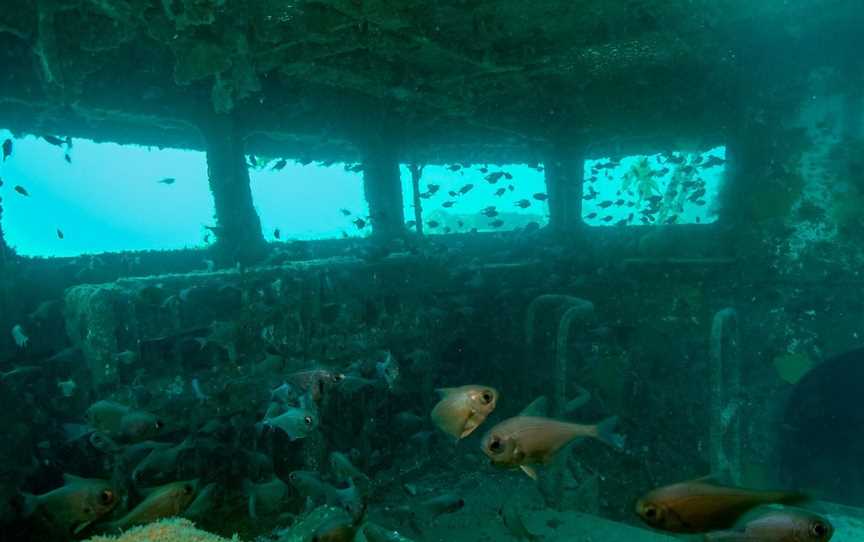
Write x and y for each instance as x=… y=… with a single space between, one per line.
x=315 y=381
x=524 y=441
x=461 y=410
x=74 y=506
x=780 y=526
x=160 y=502
x=699 y=506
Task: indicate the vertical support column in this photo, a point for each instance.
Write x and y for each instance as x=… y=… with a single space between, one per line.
x=238 y=234
x=564 y=167
x=383 y=189
x=725 y=402
x=416 y=174
x=4 y=248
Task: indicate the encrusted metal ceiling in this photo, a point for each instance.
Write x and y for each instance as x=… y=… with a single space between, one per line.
x=447 y=80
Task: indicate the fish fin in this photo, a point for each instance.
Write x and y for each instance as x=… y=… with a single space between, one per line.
x=537 y=407
x=253 y=502
x=529 y=471
x=727 y=536
x=75 y=431
x=81 y=527
x=793 y=497
x=606 y=433
x=72 y=479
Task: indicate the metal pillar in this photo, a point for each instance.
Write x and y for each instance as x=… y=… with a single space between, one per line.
x=564 y=167
x=383 y=189
x=238 y=233
x=725 y=403
x=416 y=174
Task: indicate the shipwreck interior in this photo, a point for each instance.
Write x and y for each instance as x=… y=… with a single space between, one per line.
x=725 y=347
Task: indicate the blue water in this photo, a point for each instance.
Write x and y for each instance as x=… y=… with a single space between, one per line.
x=109 y=198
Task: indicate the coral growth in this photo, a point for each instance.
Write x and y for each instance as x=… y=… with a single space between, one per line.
x=167 y=530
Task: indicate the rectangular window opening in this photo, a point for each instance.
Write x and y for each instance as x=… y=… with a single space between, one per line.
x=652 y=190
x=463 y=198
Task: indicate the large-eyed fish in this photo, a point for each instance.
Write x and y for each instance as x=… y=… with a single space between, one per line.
x=699 y=506
x=461 y=410
x=524 y=441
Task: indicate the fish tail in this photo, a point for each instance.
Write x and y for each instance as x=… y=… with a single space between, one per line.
x=606 y=432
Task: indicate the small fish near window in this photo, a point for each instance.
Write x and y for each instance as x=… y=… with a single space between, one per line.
x=305 y=200
x=660 y=189
x=463 y=198
x=66 y=197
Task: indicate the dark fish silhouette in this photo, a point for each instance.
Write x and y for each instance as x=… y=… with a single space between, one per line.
x=454 y=167
x=280 y=165
x=67 y=158
x=345 y=212
x=605 y=204
x=697 y=194
x=21 y=190
x=357 y=168
x=60 y=234
x=523 y=203
x=360 y=223
x=606 y=218
x=497 y=223
x=167 y=180
x=7 y=149
x=465 y=189
x=432 y=224
x=508 y=176
x=619 y=202
x=713 y=161
x=494 y=177
x=56 y=141
x=432 y=188
x=484 y=170
x=591 y=216
x=540 y=196
x=277 y=234
x=448 y=204
x=500 y=192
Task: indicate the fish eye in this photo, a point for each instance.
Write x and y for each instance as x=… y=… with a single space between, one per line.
x=338 y=376
x=487 y=397
x=819 y=529
x=308 y=420
x=159 y=425
x=106 y=497
x=650 y=512
x=188 y=489
x=495 y=445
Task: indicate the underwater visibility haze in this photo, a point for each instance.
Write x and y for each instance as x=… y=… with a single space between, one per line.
x=431 y=271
